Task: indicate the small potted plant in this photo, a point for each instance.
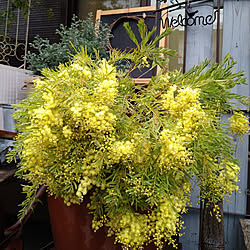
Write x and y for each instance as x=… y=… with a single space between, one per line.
x=90 y=135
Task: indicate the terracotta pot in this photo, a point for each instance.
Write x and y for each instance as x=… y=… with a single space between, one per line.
x=71 y=228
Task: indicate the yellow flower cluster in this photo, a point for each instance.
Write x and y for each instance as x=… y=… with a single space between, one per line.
x=183 y=106
x=166 y=219
x=177 y=101
x=132 y=230
x=84 y=186
x=70 y=128
x=239 y=124
x=174 y=154
x=121 y=151
x=106 y=91
x=159 y=224
x=221 y=179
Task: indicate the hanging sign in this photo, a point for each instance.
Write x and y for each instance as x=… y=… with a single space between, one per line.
x=190 y=19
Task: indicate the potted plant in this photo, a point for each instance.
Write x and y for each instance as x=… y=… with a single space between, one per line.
x=90 y=135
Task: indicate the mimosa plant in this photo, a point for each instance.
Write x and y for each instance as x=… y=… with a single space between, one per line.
x=87 y=129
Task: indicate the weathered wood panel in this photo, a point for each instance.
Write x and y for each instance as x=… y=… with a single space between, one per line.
x=198 y=48
x=190 y=238
x=233 y=238
x=199 y=38
x=236 y=37
x=238 y=200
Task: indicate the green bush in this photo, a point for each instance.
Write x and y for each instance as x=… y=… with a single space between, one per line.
x=86 y=33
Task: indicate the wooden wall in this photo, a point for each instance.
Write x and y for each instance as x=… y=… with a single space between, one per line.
x=236 y=41
x=236 y=37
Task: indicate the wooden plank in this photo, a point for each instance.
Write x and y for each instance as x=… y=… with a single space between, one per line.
x=100 y=13
x=198 y=48
x=7 y=134
x=199 y=38
x=164 y=13
x=190 y=238
x=238 y=200
x=233 y=240
x=141 y=81
x=236 y=37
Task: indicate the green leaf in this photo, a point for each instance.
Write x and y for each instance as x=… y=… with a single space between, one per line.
x=131 y=33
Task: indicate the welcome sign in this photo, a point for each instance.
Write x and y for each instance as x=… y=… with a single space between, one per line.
x=190 y=18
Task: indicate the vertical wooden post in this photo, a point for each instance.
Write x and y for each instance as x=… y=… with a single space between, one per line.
x=212 y=231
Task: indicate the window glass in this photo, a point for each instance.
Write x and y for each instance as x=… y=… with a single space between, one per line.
x=84 y=6
x=176 y=41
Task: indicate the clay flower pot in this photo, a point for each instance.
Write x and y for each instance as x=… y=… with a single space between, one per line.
x=71 y=228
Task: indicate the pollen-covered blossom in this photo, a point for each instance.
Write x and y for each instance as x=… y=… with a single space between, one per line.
x=84 y=186
x=166 y=219
x=177 y=101
x=73 y=120
x=145 y=62
x=50 y=102
x=192 y=119
x=174 y=154
x=67 y=131
x=159 y=224
x=132 y=229
x=239 y=123
x=184 y=108
x=106 y=91
x=77 y=67
x=221 y=179
x=121 y=151
x=97 y=117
